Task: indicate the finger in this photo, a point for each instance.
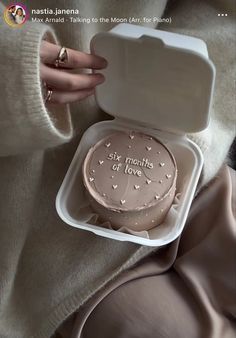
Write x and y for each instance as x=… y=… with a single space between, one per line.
x=63 y=80
x=49 y=53
x=60 y=97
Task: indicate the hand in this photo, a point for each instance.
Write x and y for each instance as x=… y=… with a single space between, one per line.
x=68 y=87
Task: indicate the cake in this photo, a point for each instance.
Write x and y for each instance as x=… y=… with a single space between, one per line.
x=130 y=180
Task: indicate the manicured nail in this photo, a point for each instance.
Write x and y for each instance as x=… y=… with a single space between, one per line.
x=101 y=79
x=104 y=63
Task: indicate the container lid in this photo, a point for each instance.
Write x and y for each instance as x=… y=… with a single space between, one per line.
x=160 y=79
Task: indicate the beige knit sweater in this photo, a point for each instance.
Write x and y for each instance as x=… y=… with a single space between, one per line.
x=48 y=269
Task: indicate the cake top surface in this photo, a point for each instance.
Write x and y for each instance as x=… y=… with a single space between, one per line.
x=129 y=171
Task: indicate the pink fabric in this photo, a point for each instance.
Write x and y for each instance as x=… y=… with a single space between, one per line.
x=187 y=289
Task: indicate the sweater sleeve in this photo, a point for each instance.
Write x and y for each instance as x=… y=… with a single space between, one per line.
x=25 y=123
x=201 y=19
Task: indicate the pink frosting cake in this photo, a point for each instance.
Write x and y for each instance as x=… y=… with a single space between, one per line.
x=130 y=179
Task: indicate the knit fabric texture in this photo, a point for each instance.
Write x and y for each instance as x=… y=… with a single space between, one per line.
x=48 y=269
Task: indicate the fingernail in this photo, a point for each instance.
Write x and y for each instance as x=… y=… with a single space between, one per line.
x=104 y=63
x=101 y=78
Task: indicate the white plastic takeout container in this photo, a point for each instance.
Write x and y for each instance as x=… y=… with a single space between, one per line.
x=159 y=83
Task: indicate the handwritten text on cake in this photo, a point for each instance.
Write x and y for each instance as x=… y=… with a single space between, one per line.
x=127 y=162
